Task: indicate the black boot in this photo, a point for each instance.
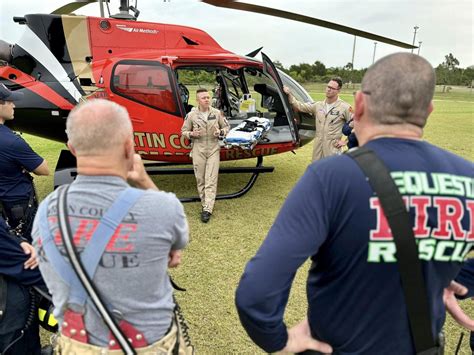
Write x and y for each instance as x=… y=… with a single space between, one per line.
x=205 y=216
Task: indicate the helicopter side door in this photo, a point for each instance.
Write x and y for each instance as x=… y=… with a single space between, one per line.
x=270 y=69
x=148 y=90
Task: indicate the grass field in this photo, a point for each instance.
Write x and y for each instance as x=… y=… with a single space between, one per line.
x=218 y=251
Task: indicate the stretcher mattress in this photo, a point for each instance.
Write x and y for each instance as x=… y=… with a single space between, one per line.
x=248 y=133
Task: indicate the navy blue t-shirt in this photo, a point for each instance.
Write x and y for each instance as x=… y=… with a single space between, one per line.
x=12 y=259
x=355 y=299
x=15 y=157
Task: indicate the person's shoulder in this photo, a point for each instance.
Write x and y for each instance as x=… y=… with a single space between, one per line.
x=162 y=197
x=344 y=104
x=334 y=167
x=193 y=113
x=215 y=111
x=450 y=156
x=10 y=138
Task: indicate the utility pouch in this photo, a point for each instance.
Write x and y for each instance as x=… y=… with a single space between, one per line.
x=17 y=212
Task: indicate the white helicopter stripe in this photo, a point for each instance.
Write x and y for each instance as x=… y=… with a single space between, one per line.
x=31 y=43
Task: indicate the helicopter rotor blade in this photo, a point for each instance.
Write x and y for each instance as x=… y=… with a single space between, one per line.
x=72 y=6
x=231 y=4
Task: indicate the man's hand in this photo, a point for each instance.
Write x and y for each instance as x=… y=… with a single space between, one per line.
x=218 y=132
x=196 y=133
x=138 y=175
x=32 y=261
x=453 y=307
x=340 y=143
x=299 y=339
x=286 y=90
x=174 y=258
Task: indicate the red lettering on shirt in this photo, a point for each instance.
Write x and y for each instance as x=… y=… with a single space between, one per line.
x=421 y=204
x=382 y=230
x=119 y=241
x=470 y=232
x=450 y=212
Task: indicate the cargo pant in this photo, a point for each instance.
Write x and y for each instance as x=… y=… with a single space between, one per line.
x=206 y=171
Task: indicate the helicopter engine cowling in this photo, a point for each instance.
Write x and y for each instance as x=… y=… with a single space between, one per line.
x=5 y=51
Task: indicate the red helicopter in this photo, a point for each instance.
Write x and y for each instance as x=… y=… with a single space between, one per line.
x=149 y=67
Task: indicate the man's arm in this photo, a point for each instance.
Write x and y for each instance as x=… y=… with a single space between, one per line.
x=28 y=158
x=297 y=105
x=223 y=125
x=138 y=175
x=42 y=169
x=466 y=277
x=187 y=128
x=263 y=291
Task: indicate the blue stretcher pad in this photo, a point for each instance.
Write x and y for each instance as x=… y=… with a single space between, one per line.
x=248 y=133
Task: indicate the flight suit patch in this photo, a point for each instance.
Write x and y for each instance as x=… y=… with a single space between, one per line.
x=211 y=117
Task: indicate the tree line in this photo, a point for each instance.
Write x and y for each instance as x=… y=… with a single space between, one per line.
x=447 y=73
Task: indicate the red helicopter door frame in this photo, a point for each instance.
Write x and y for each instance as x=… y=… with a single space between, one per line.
x=270 y=69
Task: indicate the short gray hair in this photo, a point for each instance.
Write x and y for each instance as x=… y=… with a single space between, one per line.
x=399 y=89
x=97 y=126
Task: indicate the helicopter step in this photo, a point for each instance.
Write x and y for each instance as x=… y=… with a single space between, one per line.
x=66 y=172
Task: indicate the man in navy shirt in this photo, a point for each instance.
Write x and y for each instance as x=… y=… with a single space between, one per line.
x=355 y=299
x=17 y=159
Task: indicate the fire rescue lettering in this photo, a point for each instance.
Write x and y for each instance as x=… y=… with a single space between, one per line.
x=448 y=240
x=120 y=251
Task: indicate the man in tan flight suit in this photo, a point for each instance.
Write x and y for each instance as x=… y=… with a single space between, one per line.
x=330 y=115
x=204 y=125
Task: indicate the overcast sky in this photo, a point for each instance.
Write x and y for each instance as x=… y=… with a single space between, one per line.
x=445 y=26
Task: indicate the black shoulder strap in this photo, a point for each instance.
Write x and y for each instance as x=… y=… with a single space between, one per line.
x=409 y=264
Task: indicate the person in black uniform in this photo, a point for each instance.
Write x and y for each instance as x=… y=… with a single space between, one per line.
x=19 y=329
x=17 y=159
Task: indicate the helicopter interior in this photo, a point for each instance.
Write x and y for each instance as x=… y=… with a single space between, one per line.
x=228 y=87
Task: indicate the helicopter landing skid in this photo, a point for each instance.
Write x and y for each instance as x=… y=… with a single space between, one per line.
x=66 y=172
x=157 y=169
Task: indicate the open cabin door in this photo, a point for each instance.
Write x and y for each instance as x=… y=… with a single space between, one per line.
x=270 y=69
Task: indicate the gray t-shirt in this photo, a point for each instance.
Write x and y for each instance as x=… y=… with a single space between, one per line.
x=132 y=274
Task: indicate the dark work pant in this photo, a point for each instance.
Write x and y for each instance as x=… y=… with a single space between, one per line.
x=18 y=311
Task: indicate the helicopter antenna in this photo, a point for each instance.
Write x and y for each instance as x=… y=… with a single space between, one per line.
x=125 y=9
x=101 y=5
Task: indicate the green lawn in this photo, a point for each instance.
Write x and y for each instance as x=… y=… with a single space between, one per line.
x=218 y=251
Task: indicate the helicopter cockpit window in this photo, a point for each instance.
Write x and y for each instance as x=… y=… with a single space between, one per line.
x=148 y=84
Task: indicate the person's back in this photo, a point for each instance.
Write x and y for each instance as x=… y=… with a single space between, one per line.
x=132 y=274
x=354 y=287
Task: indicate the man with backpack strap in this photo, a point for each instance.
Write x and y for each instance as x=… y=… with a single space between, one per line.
x=356 y=302
x=131 y=275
